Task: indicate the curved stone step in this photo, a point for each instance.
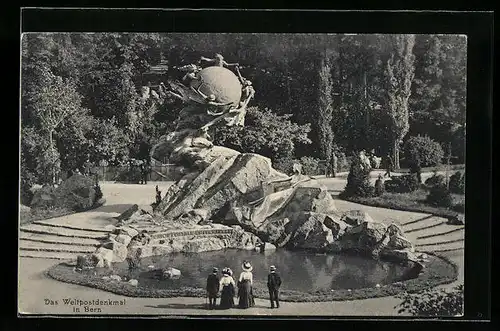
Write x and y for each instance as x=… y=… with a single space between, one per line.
x=438 y=237
x=445 y=250
x=422 y=224
x=53 y=239
x=445 y=246
x=59 y=231
x=26 y=245
x=72 y=227
x=418 y=220
x=438 y=243
x=48 y=255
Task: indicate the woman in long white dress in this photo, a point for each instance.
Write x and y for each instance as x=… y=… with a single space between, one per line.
x=228 y=289
x=245 y=282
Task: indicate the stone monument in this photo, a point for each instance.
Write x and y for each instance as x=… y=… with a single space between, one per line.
x=223 y=189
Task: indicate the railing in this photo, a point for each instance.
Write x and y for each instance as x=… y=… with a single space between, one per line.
x=131 y=174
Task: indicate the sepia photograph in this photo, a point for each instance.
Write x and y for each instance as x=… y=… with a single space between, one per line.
x=228 y=174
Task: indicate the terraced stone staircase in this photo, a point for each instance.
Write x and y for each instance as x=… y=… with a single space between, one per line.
x=433 y=234
x=60 y=241
x=45 y=239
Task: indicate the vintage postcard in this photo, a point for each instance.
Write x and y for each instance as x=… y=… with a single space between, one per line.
x=227 y=174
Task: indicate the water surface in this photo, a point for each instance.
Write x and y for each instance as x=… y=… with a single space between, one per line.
x=300 y=271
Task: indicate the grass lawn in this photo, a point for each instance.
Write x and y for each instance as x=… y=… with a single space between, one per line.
x=27 y=216
x=413 y=201
x=453 y=168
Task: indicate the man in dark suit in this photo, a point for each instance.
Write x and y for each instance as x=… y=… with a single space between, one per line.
x=273 y=285
x=213 y=287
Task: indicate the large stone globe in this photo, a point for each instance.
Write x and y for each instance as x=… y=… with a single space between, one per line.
x=221 y=82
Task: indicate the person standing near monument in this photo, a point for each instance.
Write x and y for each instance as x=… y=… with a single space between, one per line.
x=388 y=165
x=212 y=288
x=273 y=285
x=245 y=282
x=228 y=288
x=333 y=165
x=416 y=168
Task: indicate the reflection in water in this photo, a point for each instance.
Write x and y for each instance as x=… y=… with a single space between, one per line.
x=299 y=270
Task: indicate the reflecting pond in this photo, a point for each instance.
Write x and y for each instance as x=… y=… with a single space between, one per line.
x=300 y=271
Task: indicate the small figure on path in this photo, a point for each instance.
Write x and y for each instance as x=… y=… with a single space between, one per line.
x=86 y=167
x=365 y=161
x=245 y=282
x=332 y=167
x=228 y=289
x=145 y=172
x=388 y=165
x=213 y=288
x=273 y=285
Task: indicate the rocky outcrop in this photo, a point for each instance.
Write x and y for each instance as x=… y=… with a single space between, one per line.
x=308 y=196
x=356 y=217
x=171 y=273
x=133 y=282
x=266 y=247
x=243 y=240
x=228 y=177
x=203 y=245
x=307 y=231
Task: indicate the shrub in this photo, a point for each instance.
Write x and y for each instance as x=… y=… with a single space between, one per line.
x=435 y=180
x=343 y=163
x=459 y=207
x=284 y=165
x=98 y=192
x=310 y=166
x=131 y=175
x=423 y=150
x=457 y=182
x=265 y=132
x=402 y=184
x=433 y=302
x=358 y=181
x=439 y=196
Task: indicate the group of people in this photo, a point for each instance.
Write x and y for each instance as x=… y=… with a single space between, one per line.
x=243 y=289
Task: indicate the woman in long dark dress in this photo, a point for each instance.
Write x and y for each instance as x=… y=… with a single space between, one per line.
x=228 y=289
x=245 y=292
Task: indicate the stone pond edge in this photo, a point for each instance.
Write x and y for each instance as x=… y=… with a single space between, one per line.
x=64 y=273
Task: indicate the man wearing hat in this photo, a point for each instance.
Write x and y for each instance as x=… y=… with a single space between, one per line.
x=213 y=287
x=273 y=285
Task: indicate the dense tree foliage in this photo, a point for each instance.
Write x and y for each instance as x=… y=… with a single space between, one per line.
x=82 y=94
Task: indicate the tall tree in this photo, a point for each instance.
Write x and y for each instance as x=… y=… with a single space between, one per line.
x=325 y=107
x=400 y=71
